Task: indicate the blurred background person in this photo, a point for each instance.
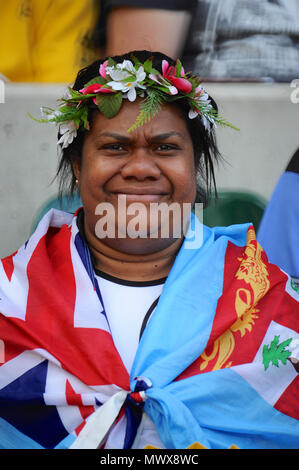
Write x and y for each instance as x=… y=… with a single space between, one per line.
x=279 y=229
x=46 y=40
x=146 y=24
x=223 y=40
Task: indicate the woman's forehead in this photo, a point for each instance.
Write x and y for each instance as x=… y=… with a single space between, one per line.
x=168 y=120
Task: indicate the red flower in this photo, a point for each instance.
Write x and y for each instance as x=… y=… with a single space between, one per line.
x=95 y=88
x=102 y=69
x=170 y=72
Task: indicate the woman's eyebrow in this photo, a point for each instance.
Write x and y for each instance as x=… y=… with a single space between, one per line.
x=116 y=136
x=154 y=138
x=165 y=136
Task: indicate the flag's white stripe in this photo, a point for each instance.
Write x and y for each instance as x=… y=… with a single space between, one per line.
x=14 y=293
x=99 y=423
x=17 y=366
x=55 y=394
x=101 y=392
x=70 y=416
x=87 y=313
x=55 y=386
x=116 y=437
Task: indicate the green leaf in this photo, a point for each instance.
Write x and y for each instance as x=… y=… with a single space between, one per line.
x=276 y=352
x=164 y=89
x=223 y=122
x=129 y=79
x=84 y=117
x=148 y=64
x=96 y=80
x=155 y=72
x=64 y=109
x=178 y=68
x=109 y=103
x=149 y=107
x=74 y=93
x=294 y=286
x=111 y=62
x=135 y=60
x=37 y=120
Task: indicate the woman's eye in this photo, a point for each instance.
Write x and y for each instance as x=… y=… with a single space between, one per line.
x=115 y=147
x=165 y=147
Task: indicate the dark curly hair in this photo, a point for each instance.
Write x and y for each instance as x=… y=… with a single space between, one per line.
x=206 y=152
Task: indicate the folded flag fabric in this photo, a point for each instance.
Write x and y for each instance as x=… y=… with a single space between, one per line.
x=217 y=363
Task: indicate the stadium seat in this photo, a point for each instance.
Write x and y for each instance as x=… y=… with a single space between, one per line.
x=234 y=207
x=66 y=203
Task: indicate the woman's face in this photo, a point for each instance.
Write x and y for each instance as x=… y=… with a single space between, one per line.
x=152 y=165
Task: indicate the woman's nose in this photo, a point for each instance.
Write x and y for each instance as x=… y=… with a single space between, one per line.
x=141 y=165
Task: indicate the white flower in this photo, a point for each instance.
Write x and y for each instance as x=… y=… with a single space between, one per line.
x=201 y=95
x=192 y=113
x=202 y=98
x=162 y=81
x=127 y=65
x=49 y=114
x=206 y=123
x=67 y=95
x=116 y=74
x=68 y=131
x=122 y=72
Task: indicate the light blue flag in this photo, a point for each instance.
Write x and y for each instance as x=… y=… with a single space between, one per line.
x=219 y=408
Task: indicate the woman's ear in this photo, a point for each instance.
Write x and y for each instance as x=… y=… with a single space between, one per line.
x=76 y=165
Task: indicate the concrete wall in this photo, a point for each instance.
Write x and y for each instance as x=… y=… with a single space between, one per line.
x=255 y=156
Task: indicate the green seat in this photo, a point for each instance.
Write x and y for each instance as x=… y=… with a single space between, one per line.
x=234 y=207
x=67 y=204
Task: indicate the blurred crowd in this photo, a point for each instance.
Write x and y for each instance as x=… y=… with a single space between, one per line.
x=227 y=40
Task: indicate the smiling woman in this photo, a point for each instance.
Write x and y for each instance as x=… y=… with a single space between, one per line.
x=138 y=338
x=158 y=162
x=155 y=164
x=204 y=143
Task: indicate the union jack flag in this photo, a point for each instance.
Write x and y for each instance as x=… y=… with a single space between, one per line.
x=57 y=367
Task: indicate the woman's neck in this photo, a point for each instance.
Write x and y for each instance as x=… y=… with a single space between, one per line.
x=131 y=266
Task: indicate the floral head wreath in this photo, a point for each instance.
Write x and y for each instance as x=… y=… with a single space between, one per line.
x=128 y=80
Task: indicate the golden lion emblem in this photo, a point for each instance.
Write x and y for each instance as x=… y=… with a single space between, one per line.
x=254 y=272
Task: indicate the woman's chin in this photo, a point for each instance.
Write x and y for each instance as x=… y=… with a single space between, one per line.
x=139 y=245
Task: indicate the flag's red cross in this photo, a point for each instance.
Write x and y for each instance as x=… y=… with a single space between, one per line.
x=87 y=353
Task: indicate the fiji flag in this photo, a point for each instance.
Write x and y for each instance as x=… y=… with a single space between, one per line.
x=226 y=372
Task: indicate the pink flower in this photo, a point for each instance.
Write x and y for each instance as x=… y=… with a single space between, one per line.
x=102 y=69
x=169 y=72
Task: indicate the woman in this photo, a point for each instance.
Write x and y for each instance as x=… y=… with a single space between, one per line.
x=118 y=333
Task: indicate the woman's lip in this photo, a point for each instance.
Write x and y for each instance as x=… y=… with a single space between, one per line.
x=142 y=196
x=139 y=191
